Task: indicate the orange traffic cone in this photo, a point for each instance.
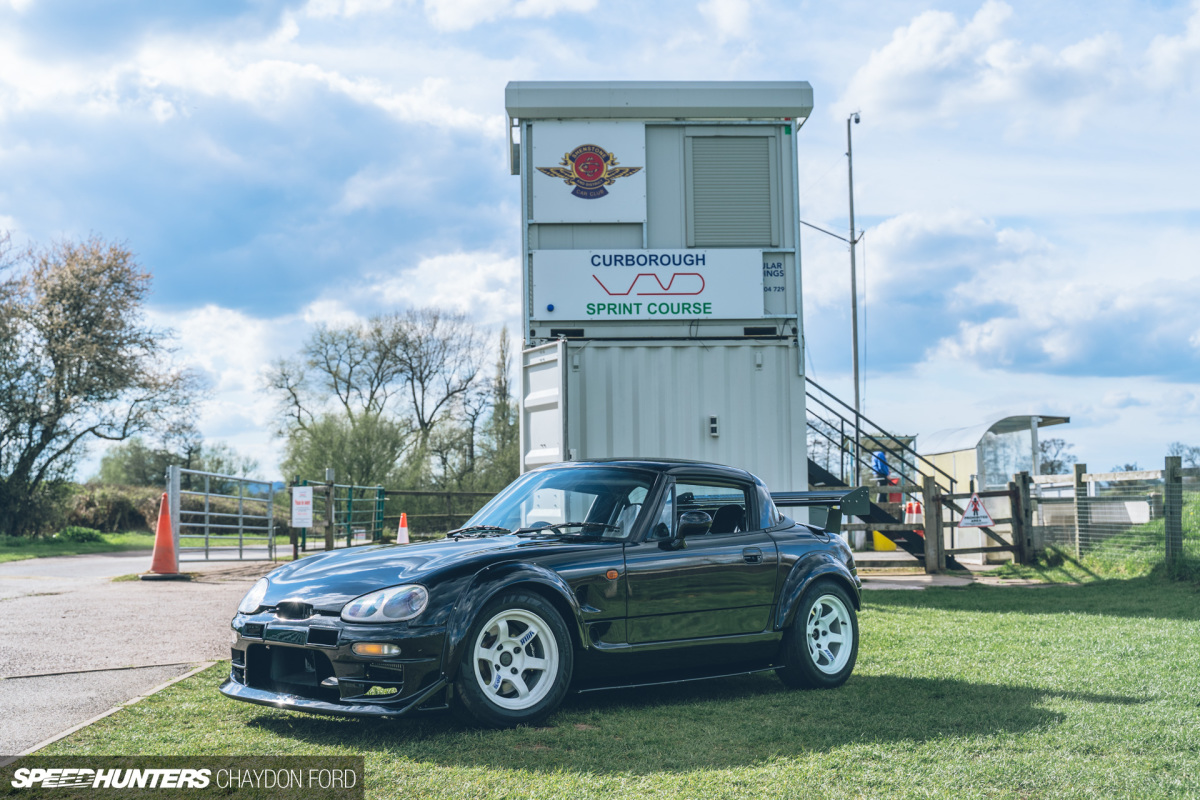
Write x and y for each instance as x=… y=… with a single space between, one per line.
x=402 y=534
x=165 y=565
x=914 y=514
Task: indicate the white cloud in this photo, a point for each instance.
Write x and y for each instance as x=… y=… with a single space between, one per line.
x=345 y=8
x=1174 y=61
x=938 y=68
x=484 y=284
x=730 y=18
x=461 y=15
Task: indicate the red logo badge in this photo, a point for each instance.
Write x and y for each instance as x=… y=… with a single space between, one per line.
x=589 y=168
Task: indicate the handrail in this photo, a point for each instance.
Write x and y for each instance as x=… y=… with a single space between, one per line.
x=879 y=428
x=855 y=456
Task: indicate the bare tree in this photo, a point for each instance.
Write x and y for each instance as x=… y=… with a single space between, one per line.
x=400 y=373
x=76 y=364
x=1189 y=455
x=1054 y=456
x=440 y=358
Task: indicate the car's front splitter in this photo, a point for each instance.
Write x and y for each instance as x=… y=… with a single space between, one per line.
x=291 y=702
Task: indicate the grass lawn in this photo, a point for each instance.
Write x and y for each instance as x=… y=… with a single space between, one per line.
x=18 y=549
x=1061 y=691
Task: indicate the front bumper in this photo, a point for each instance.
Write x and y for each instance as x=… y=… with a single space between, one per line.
x=309 y=665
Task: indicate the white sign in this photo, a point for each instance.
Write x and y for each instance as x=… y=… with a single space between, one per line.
x=774 y=284
x=975 y=515
x=302 y=507
x=589 y=172
x=579 y=285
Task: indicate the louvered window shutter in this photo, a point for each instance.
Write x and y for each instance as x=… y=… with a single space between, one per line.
x=731 y=192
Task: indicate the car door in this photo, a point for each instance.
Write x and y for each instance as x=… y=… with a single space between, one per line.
x=721 y=583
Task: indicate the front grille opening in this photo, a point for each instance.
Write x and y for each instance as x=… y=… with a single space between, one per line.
x=376 y=672
x=325 y=637
x=382 y=691
x=293 y=609
x=290 y=670
x=239 y=657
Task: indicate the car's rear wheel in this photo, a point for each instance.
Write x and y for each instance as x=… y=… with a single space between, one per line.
x=517 y=664
x=821 y=645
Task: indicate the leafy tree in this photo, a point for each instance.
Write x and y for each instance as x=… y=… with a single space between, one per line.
x=77 y=364
x=364 y=452
x=1054 y=456
x=135 y=463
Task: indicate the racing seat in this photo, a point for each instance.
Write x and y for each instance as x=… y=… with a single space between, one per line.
x=728 y=519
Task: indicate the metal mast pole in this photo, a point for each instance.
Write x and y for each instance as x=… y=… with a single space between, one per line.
x=854 y=305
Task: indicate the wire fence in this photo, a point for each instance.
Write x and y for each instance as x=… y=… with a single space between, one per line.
x=355 y=515
x=1122 y=522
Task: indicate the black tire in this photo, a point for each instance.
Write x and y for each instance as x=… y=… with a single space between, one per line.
x=534 y=671
x=820 y=661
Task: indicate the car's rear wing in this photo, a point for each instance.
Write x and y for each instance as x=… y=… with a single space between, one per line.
x=834 y=503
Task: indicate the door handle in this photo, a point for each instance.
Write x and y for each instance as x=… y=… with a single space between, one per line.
x=752 y=555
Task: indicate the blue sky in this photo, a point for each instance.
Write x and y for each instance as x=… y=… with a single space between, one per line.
x=1026 y=173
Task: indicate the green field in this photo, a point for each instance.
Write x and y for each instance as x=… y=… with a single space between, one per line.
x=17 y=549
x=1060 y=691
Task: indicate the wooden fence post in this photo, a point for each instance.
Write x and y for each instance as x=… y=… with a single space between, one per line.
x=1025 y=500
x=1082 y=511
x=935 y=557
x=1173 y=507
x=1016 y=512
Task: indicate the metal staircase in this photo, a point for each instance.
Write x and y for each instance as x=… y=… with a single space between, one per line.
x=846 y=430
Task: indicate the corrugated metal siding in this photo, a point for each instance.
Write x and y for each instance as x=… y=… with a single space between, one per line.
x=654 y=400
x=731 y=191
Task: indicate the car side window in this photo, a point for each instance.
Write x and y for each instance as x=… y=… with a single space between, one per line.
x=728 y=505
x=664 y=526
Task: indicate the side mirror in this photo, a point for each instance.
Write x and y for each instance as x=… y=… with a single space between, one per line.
x=694 y=523
x=665 y=540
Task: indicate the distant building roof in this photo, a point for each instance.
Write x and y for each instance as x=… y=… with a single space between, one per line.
x=658 y=99
x=953 y=440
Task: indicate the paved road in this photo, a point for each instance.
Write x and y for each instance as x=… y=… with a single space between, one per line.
x=67 y=615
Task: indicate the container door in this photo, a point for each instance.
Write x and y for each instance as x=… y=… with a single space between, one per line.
x=543 y=405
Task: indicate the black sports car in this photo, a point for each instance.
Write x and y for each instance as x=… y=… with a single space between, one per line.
x=578 y=576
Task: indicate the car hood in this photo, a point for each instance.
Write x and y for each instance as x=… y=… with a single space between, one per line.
x=330 y=580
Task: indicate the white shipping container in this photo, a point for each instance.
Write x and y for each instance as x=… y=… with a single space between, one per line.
x=736 y=403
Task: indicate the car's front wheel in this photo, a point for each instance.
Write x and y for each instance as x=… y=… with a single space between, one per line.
x=517 y=664
x=821 y=646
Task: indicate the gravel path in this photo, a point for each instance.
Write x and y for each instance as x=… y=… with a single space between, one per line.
x=68 y=615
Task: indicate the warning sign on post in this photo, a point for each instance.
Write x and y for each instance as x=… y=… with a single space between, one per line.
x=302 y=507
x=975 y=515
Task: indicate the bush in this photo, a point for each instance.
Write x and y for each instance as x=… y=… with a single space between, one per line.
x=113 y=509
x=79 y=535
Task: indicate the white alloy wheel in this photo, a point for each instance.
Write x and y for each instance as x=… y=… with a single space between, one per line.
x=830 y=636
x=515 y=659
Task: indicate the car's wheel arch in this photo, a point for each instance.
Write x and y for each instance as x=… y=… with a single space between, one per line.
x=803 y=574
x=498 y=579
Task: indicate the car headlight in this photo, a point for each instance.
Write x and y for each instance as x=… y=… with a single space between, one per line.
x=254 y=597
x=387 y=605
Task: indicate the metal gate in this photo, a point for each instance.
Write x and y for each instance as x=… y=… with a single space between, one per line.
x=343 y=515
x=221 y=517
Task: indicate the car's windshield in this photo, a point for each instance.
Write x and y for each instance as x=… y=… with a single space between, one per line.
x=580 y=501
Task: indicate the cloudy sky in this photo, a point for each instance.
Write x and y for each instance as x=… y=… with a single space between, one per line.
x=1026 y=172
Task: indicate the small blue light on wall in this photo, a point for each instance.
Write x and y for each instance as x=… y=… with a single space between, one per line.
x=550 y=307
